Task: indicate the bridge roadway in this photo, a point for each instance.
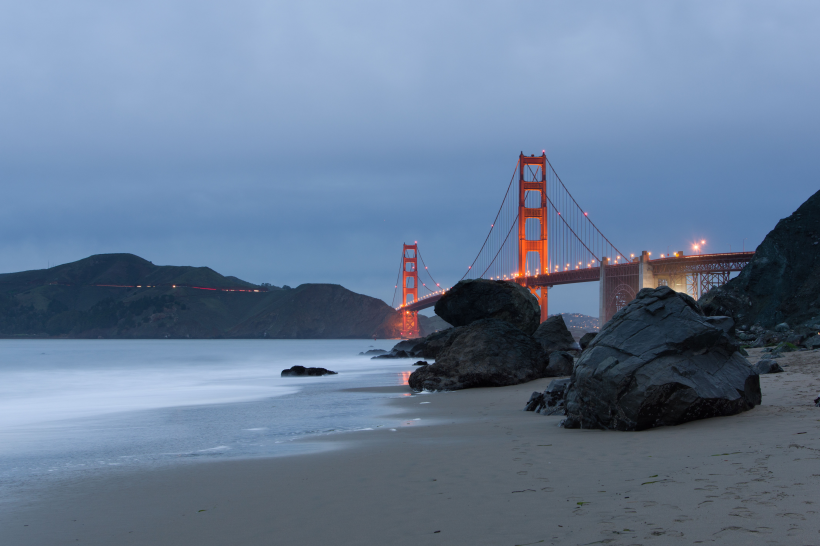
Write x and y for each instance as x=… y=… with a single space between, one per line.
x=682 y=265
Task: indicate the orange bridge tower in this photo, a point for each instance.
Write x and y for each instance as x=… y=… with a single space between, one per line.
x=532 y=224
x=409 y=290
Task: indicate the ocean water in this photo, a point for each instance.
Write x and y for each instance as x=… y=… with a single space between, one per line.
x=70 y=409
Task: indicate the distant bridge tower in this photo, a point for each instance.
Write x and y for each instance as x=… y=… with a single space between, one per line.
x=410 y=290
x=532 y=224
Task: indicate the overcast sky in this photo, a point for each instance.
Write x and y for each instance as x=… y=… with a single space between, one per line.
x=295 y=142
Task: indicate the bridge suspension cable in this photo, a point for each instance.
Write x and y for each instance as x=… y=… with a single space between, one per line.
x=572 y=240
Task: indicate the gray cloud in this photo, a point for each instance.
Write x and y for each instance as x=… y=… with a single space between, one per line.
x=303 y=142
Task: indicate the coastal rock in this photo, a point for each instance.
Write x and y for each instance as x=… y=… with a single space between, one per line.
x=371 y=352
x=432 y=345
x=551 y=401
x=767 y=365
x=553 y=335
x=659 y=362
x=727 y=324
x=301 y=371
x=560 y=364
x=394 y=354
x=487 y=353
x=421 y=363
x=477 y=299
x=586 y=339
x=780 y=287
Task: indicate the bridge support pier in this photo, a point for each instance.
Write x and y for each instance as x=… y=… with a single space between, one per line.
x=602 y=294
x=646 y=277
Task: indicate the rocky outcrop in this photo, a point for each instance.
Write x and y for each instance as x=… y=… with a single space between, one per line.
x=560 y=364
x=477 y=299
x=659 y=362
x=301 y=371
x=551 y=401
x=487 y=353
x=371 y=352
x=425 y=347
x=767 y=365
x=553 y=335
x=586 y=339
x=782 y=281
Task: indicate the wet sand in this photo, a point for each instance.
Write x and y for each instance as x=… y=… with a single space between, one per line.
x=477 y=470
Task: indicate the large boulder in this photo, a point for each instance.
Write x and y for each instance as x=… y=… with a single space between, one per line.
x=487 y=353
x=659 y=362
x=553 y=335
x=424 y=347
x=781 y=283
x=560 y=364
x=476 y=299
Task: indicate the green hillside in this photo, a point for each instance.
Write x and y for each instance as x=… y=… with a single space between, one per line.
x=125 y=296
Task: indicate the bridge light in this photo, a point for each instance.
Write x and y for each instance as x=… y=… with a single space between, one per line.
x=585 y=214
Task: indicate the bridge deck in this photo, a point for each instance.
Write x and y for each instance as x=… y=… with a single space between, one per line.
x=699 y=263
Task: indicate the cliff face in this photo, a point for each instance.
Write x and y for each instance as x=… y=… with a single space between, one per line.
x=782 y=281
x=125 y=296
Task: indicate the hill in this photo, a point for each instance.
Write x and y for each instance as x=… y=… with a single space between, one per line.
x=125 y=296
x=781 y=283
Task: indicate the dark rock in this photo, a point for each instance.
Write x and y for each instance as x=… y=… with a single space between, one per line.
x=394 y=354
x=727 y=324
x=782 y=327
x=373 y=352
x=553 y=335
x=659 y=362
x=586 y=339
x=817 y=401
x=477 y=299
x=560 y=364
x=551 y=401
x=301 y=371
x=487 y=353
x=432 y=345
x=781 y=283
x=421 y=363
x=813 y=342
x=767 y=366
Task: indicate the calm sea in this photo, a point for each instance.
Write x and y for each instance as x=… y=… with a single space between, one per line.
x=74 y=408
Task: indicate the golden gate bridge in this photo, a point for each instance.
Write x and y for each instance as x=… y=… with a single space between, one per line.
x=541 y=237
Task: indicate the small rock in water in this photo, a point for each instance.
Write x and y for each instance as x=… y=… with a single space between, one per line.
x=767 y=365
x=373 y=352
x=421 y=363
x=300 y=371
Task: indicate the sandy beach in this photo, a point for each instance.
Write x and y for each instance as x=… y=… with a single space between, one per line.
x=475 y=469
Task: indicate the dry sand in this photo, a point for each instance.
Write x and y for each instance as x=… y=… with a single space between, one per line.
x=477 y=470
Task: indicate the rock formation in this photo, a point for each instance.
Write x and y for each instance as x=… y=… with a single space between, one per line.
x=551 y=401
x=586 y=339
x=782 y=281
x=553 y=335
x=560 y=364
x=487 y=353
x=767 y=365
x=472 y=300
x=301 y=371
x=659 y=362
